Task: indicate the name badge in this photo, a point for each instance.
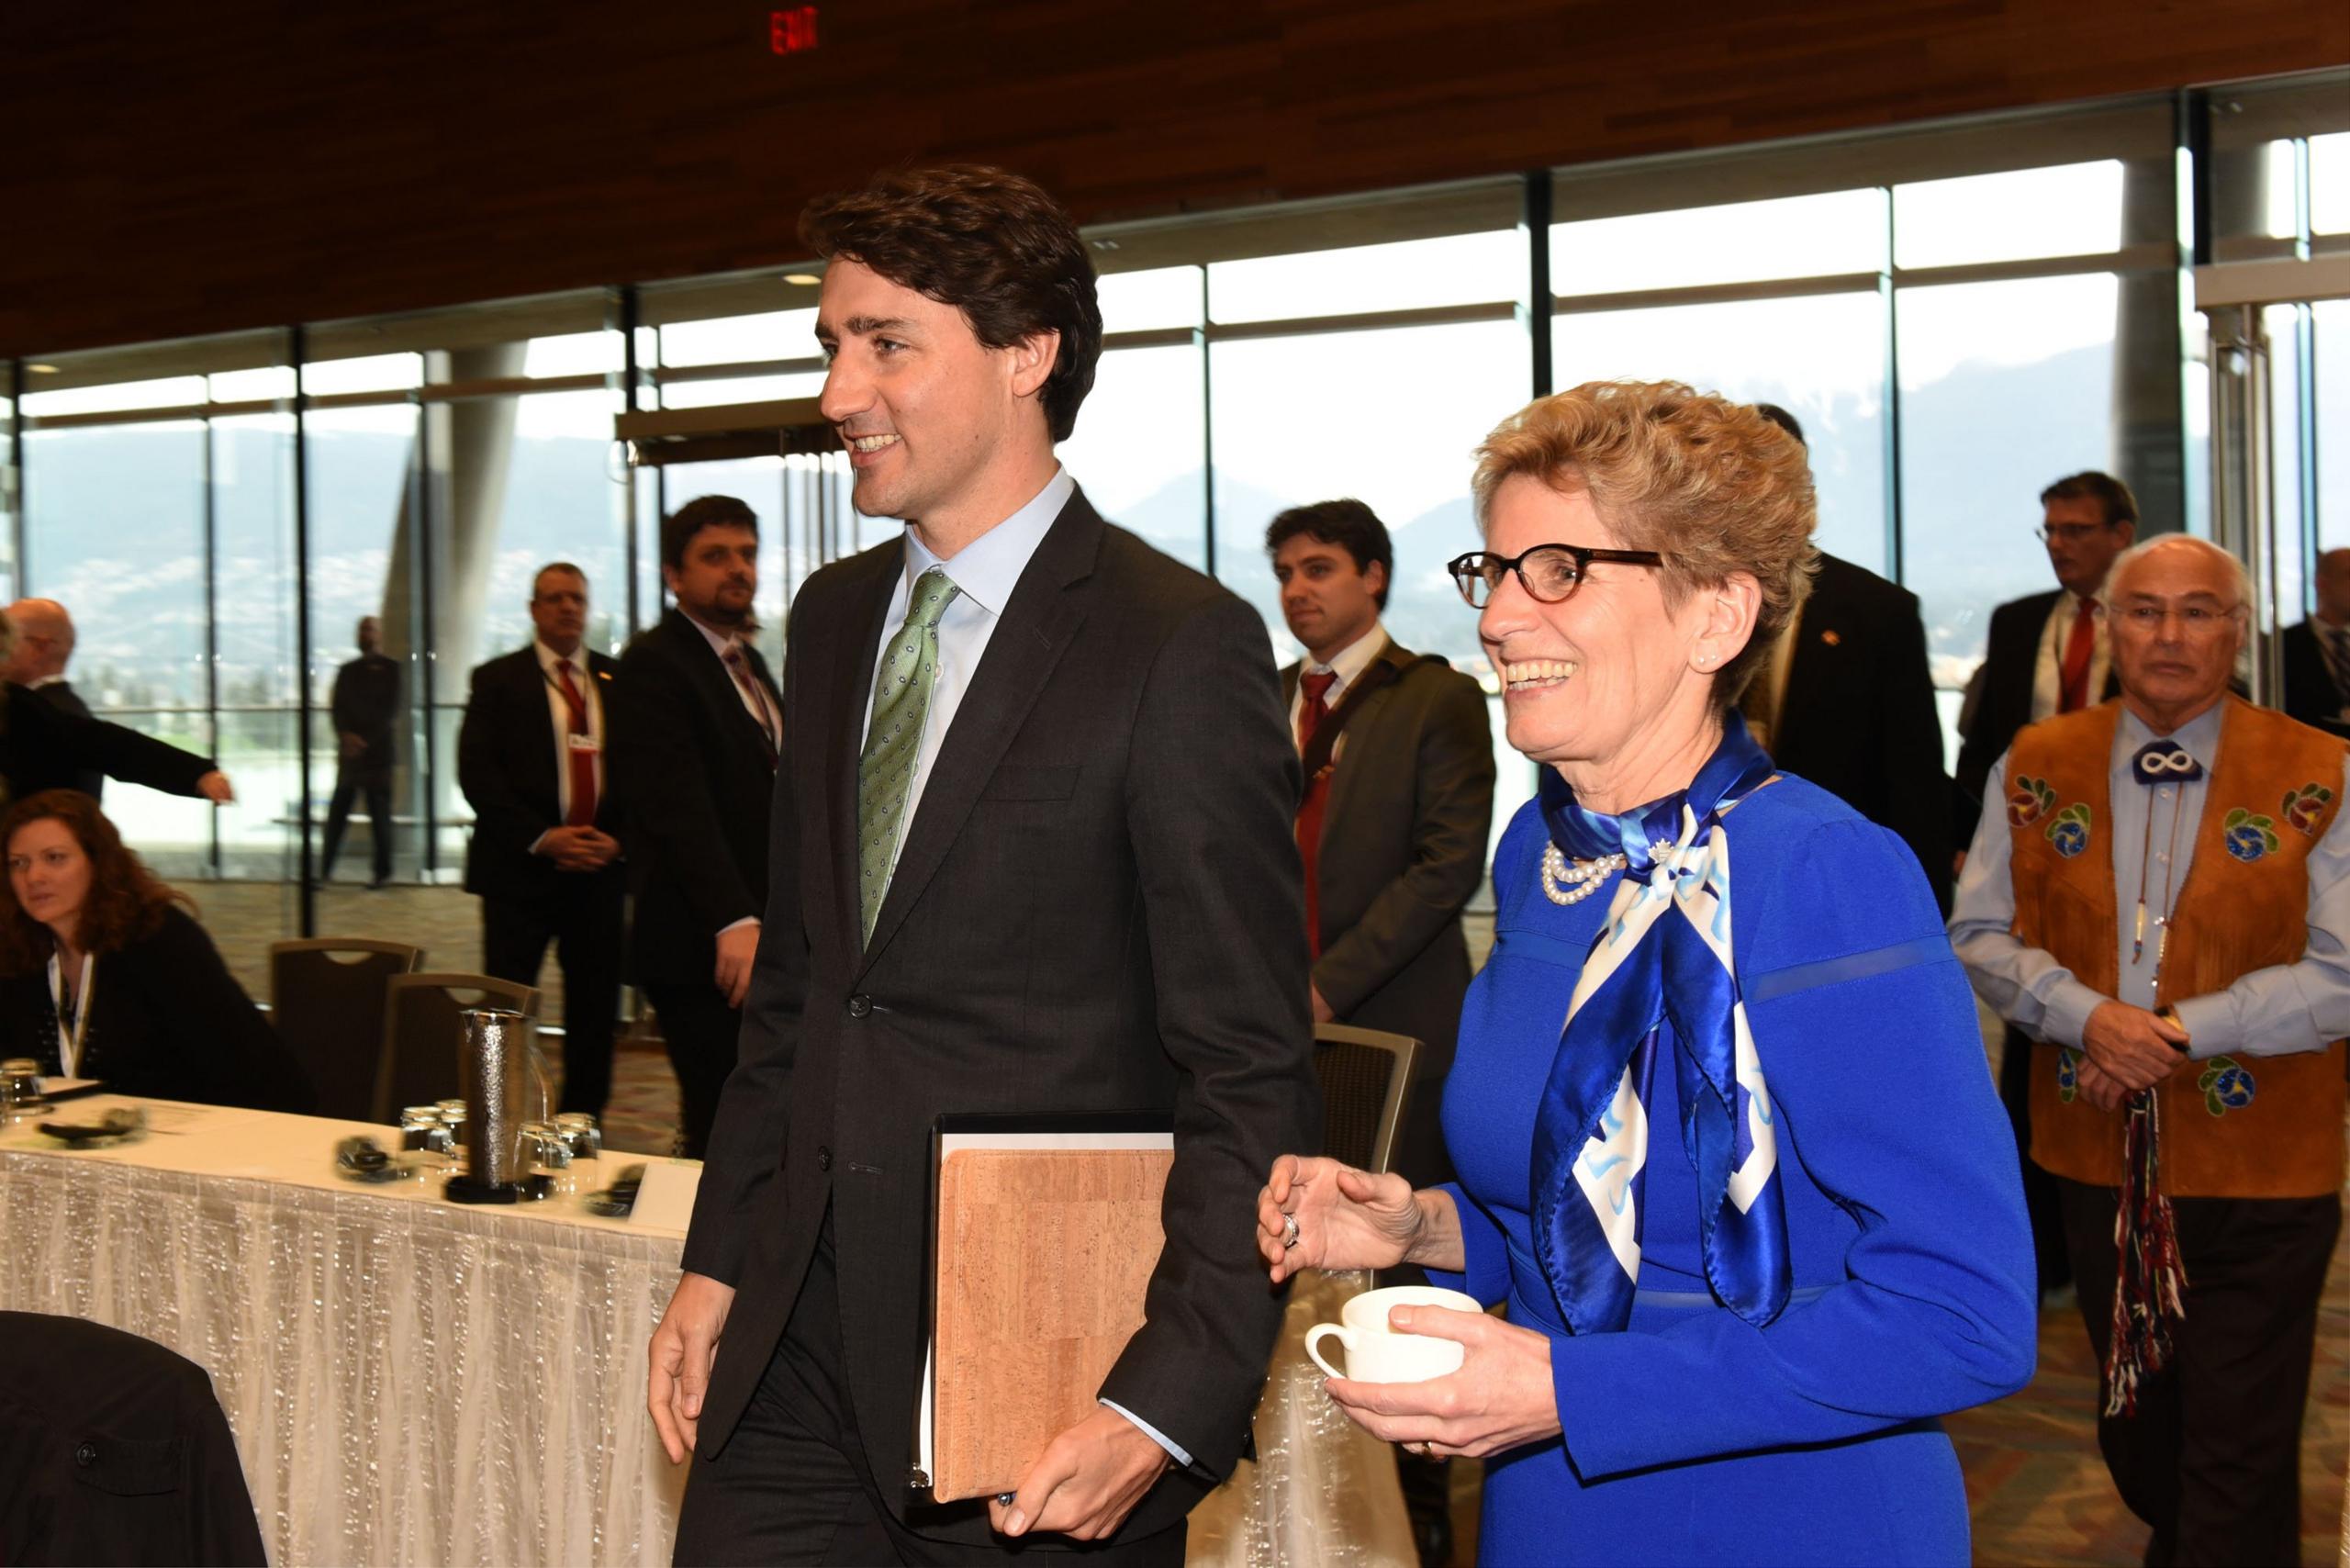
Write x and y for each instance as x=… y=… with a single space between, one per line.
x=585 y=743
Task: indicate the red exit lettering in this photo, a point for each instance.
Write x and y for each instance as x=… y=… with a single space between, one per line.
x=792 y=31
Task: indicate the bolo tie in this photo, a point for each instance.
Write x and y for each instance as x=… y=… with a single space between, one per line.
x=2158 y=763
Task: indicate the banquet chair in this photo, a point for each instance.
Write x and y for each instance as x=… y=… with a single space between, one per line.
x=422 y=1028
x=328 y=997
x=1365 y=1075
x=114 y=1450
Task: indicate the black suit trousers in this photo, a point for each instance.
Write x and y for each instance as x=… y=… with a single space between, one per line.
x=585 y=927
x=2211 y=1459
x=700 y=1031
x=792 y=1486
x=376 y=784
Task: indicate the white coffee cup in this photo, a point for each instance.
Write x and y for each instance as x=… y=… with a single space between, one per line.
x=1376 y=1353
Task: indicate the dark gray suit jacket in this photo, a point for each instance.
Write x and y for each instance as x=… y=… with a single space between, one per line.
x=1402 y=850
x=1097 y=907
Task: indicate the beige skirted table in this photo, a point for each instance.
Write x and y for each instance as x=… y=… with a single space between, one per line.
x=415 y=1382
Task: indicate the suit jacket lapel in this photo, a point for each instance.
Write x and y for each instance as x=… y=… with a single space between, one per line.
x=1359 y=725
x=847 y=686
x=1026 y=646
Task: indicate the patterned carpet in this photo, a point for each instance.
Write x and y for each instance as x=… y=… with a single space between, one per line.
x=2038 y=1490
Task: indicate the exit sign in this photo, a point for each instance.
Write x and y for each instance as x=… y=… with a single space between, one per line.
x=792 y=31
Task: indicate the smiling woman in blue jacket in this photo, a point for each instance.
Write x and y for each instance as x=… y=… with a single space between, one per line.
x=1740 y=1177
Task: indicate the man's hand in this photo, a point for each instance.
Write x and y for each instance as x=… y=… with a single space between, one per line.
x=1088 y=1481
x=578 y=848
x=2098 y=1088
x=683 y=1348
x=736 y=948
x=1322 y=1014
x=2132 y=1046
x=215 y=787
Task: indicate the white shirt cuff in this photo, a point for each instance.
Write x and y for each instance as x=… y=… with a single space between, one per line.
x=738 y=924
x=1153 y=1433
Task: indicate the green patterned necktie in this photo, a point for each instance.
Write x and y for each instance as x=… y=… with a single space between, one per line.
x=893 y=743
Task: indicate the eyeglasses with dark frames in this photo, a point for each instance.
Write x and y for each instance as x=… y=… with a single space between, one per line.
x=2069 y=532
x=1549 y=573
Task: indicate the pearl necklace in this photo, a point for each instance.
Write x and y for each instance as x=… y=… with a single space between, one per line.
x=1582 y=879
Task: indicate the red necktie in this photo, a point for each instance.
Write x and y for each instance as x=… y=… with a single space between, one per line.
x=580 y=759
x=736 y=661
x=1311 y=713
x=2074 y=692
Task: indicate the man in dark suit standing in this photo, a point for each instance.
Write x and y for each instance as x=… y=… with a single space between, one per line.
x=49 y=745
x=2317 y=652
x=1032 y=854
x=366 y=701
x=2048 y=654
x=544 y=856
x=44 y=647
x=698 y=724
x=1847 y=701
x=1398 y=762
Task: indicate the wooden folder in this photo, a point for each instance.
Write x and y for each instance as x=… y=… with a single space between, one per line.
x=1046 y=1230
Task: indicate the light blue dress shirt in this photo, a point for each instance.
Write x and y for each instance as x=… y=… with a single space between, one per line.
x=986 y=570
x=2285 y=1008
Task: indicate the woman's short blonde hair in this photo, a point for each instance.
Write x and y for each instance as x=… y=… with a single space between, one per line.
x=1710 y=485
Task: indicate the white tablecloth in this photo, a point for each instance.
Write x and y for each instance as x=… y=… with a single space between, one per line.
x=409 y=1382
x=414 y=1383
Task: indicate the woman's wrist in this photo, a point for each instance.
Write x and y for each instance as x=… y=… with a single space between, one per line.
x=1435 y=1238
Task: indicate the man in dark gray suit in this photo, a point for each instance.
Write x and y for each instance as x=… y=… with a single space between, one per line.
x=1031 y=853
x=1398 y=801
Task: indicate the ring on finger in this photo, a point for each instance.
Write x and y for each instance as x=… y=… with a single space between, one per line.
x=1288 y=1231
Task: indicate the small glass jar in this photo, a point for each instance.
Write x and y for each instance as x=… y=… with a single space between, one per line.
x=580 y=1135
x=20 y=1090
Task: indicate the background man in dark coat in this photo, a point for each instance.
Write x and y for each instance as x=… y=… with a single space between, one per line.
x=1847 y=701
x=366 y=703
x=696 y=722
x=2317 y=651
x=44 y=746
x=543 y=853
x=44 y=647
x=1032 y=854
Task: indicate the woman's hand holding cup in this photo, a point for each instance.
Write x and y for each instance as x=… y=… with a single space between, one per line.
x=1314 y=1212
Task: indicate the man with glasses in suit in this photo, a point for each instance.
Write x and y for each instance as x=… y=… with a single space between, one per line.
x=544 y=856
x=2317 y=652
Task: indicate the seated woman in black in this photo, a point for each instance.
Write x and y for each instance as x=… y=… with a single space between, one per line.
x=104 y=974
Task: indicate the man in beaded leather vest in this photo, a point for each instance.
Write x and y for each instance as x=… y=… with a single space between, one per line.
x=2164 y=905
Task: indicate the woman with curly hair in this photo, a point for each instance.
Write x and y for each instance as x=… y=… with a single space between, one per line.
x=1741 y=1179
x=104 y=974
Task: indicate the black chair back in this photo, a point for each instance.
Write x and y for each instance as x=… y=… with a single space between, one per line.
x=1365 y=1075
x=422 y=1028
x=327 y=997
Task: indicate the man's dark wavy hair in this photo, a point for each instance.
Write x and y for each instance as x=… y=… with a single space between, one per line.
x=989 y=244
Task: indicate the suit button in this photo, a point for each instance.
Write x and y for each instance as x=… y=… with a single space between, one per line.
x=823 y=1158
x=859 y=1005
x=86 y=1455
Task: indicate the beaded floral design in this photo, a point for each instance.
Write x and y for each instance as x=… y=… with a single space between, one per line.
x=2247 y=836
x=2305 y=805
x=2226 y=1084
x=2070 y=832
x=2029 y=801
x=2068 y=1074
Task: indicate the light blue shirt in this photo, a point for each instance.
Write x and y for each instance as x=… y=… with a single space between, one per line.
x=986 y=571
x=2285 y=1008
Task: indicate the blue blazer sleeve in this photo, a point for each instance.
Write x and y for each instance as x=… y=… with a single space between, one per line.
x=1868 y=1037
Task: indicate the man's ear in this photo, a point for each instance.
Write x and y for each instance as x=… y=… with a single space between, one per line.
x=1033 y=358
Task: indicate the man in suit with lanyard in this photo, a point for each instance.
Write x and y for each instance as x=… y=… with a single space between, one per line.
x=1397 y=753
x=544 y=856
x=2049 y=653
x=1032 y=854
x=697 y=723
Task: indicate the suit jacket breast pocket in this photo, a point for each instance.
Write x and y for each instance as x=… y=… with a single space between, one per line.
x=1014 y=783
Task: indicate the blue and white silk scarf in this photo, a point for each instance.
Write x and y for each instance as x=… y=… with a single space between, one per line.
x=1664 y=957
